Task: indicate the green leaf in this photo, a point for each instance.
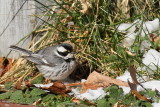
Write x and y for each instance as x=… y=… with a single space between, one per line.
x=102 y=103
x=112 y=58
x=48 y=101
x=112 y=101
x=38 y=80
x=37 y=92
x=115 y=92
x=128 y=99
x=32 y=99
x=27 y=93
x=157 y=100
x=17 y=97
x=145 y=104
x=5 y=95
x=29 y=101
x=8 y=85
x=151 y=93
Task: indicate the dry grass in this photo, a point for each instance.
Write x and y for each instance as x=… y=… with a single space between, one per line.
x=90 y=26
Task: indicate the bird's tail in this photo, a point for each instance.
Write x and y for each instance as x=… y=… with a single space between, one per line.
x=24 y=51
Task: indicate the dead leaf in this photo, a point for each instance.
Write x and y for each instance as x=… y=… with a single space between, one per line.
x=37 y=102
x=74 y=84
x=154 y=37
x=59 y=85
x=116 y=104
x=132 y=71
x=58 y=88
x=5 y=65
x=82 y=35
x=96 y=77
x=130 y=53
x=96 y=80
x=113 y=52
x=132 y=86
x=75 y=100
x=28 y=83
x=18 y=85
x=86 y=86
x=140 y=97
x=86 y=7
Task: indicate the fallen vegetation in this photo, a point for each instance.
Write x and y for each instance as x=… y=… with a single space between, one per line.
x=111 y=37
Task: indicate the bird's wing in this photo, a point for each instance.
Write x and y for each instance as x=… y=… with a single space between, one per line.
x=49 y=56
x=38 y=59
x=34 y=59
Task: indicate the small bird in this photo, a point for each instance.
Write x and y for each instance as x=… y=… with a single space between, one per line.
x=54 y=62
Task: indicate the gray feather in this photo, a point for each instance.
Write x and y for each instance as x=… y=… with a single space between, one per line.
x=24 y=51
x=34 y=60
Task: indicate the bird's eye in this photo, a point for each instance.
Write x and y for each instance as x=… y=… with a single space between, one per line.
x=68 y=51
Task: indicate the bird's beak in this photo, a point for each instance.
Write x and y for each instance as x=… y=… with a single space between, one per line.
x=73 y=52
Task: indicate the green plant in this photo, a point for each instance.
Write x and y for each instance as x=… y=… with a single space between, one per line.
x=93 y=32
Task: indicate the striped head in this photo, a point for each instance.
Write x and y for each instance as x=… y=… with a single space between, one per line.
x=65 y=51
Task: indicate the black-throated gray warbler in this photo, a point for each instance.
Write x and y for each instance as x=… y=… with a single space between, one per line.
x=54 y=62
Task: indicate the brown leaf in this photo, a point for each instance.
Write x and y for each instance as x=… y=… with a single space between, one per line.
x=116 y=104
x=132 y=86
x=86 y=86
x=18 y=85
x=5 y=65
x=37 y=102
x=132 y=71
x=130 y=53
x=96 y=77
x=75 y=100
x=140 y=97
x=74 y=84
x=59 y=85
x=28 y=83
x=86 y=8
x=154 y=37
x=96 y=80
x=58 y=88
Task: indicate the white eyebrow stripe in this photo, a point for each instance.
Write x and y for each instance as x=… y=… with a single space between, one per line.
x=61 y=49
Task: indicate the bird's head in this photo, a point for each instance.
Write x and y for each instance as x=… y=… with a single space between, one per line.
x=65 y=51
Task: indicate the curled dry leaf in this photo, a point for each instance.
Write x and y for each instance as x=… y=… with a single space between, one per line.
x=5 y=65
x=28 y=84
x=112 y=51
x=74 y=84
x=18 y=85
x=132 y=71
x=132 y=86
x=154 y=37
x=140 y=97
x=58 y=88
x=86 y=7
x=130 y=53
x=75 y=100
x=86 y=86
x=37 y=102
x=96 y=80
x=116 y=104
